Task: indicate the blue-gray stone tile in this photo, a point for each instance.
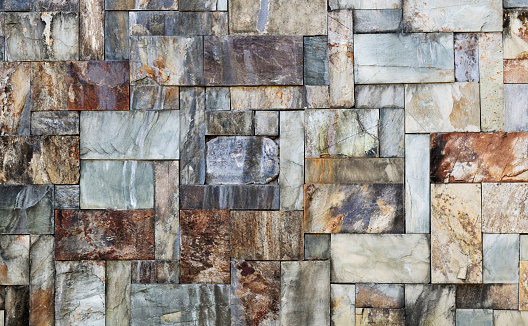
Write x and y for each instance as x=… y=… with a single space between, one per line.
x=316 y=60
x=501 y=258
x=54 y=123
x=474 y=317
x=377 y=21
x=67 y=197
x=417 y=186
x=175 y=23
x=202 y=5
x=257 y=197
x=192 y=135
x=267 y=123
x=232 y=123
x=466 y=57
x=392 y=132
x=316 y=246
x=116 y=35
x=217 y=98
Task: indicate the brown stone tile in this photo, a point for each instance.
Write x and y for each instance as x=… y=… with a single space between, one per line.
x=523 y=286
x=479 y=157
x=104 y=234
x=14 y=92
x=255 y=292
x=373 y=295
x=380 y=317
x=49 y=86
x=261 y=235
x=488 y=296
x=204 y=246
x=155 y=271
x=17 y=306
x=516 y=71
x=42 y=280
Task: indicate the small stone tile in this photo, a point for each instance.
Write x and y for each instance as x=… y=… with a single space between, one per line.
x=91 y=29
x=54 y=123
x=267 y=123
x=516 y=71
x=474 y=317
x=316 y=60
x=523 y=285
x=372 y=295
x=341 y=58
x=104 y=234
x=514 y=34
x=501 y=258
x=316 y=97
x=377 y=21
x=380 y=96
x=117 y=305
x=503 y=208
x=343 y=307
x=466 y=57
x=291 y=156
x=42 y=280
x=417 y=186
x=515 y=3
x=16 y=5
x=141 y=5
x=66 y=196
x=217 y=98
x=488 y=296
x=515 y=107
x=192 y=135
x=491 y=68
x=316 y=246
x=429 y=304
x=523 y=246
x=17 y=307
x=230 y=123
x=151 y=96
x=177 y=23
x=155 y=271
x=379 y=316
x=116 y=35
x=15 y=93
x=361 y=4
x=510 y=317
x=202 y=5
x=392 y=133
x=258 y=197
x=52 y=5
x=267 y=98
x=50 y=86
x=14 y=262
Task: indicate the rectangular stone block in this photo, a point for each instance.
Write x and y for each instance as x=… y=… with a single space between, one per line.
x=26 y=209
x=117 y=305
x=150 y=135
x=267 y=123
x=341 y=133
x=316 y=97
x=479 y=157
x=46 y=5
x=255 y=292
x=509 y=317
x=305 y=290
x=394 y=58
x=515 y=3
x=353 y=208
x=503 y=207
x=80 y=293
x=50 y=85
x=429 y=305
x=218 y=98
x=151 y=96
x=417 y=186
x=380 y=96
x=491 y=82
x=104 y=234
x=267 y=98
x=176 y=23
x=141 y=5
x=380 y=258
x=523 y=285
x=379 y=316
x=91 y=29
x=316 y=246
x=514 y=34
x=455 y=217
x=275 y=17
x=316 y=60
x=14 y=259
x=516 y=71
x=501 y=258
x=261 y=235
x=258 y=197
x=291 y=176
x=42 y=280
x=364 y=4
x=377 y=21
x=466 y=57
x=205 y=246
x=343 y=309
x=66 y=196
x=488 y=296
x=199 y=304
x=453 y=16
x=46 y=36
x=155 y=271
x=392 y=133
x=341 y=58
x=192 y=135
x=442 y=108
x=202 y=5
x=515 y=103
x=354 y=170
x=253 y=60
x=468 y=317
x=233 y=123
x=523 y=247
x=168 y=60
x=17 y=305
x=116 y=35
x=372 y=295
x=16 y=104
x=54 y=123
x=117 y=185
x=39 y=160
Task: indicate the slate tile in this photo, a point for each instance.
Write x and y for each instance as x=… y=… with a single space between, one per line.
x=377 y=21
x=379 y=316
x=14 y=262
x=217 y=98
x=54 y=123
x=316 y=60
x=229 y=123
x=42 y=280
x=316 y=97
x=202 y=5
x=429 y=304
x=523 y=246
x=361 y=4
x=316 y=246
x=468 y=317
x=372 y=295
x=151 y=96
x=491 y=68
x=15 y=92
x=192 y=135
x=155 y=271
x=104 y=234
x=255 y=292
x=17 y=306
x=353 y=208
x=488 y=296
x=67 y=196
x=116 y=35
x=380 y=96
x=117 y=287
x=417 y=186
x=239 y=197
x=516 y=71
x=466 y=57
x=341 y=58
x=91 y=29
x=239 y=60
x=478 y=157
x=241 y=160
x=291 y=156
x=515 y=107
x=177 y=23
x=342 y=310
x=267 y=123
x=141 y=5
x=501 y=258
x=267 y=98
x=392 y=133
x=26 y=209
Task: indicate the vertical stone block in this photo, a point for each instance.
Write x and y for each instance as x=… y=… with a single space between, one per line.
x=392 y=133
x=510 y=317
x=417 y=187
x=116 y=35
x=91 y=33
x=15 y=92
x=291 y=155
x=343 y=300
x=516 y=107
x=17 y=305
x=501 y=258
x=267 y=98
x=117 y=305
x=316 y=60
x=377 y=21
x=491 y=82
x=523 y=285
x=429 y=305
x=466 y=57
x=341 y=58
x=14 y=259
x=192 y=135
x=42 y=280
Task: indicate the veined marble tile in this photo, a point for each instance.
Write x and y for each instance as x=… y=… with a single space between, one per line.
x=417 y=186
x=488 y=296
x=343 y=298
x=429 y=305
x=341 y=58
x=54 y=123
x=501 y=258
x=14 y=259
x=16 y=104
x=176 y=23
x=291 y=164
x=474 y=317
x=503 y=207
x=491 y=82
x=267 y=98
x=392 y=132
x=373 y=295
x=229 y=123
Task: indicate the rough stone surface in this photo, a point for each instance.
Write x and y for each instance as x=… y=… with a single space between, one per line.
x=116 y=35
x=202 y=5
x=417 y=187
x=217 y=98
x=515 y=107
x=230 y=123
x=142 y=5
x=316 y=246
x=523 y=285
x=491 y=68
x=267 y=123
x=364 y=4
x=176 y=23
x=341 y=58
x=267 y=98
x=316 y=97
x=117 y=305
x=372 y=295
x=392 y=133
x=466 y=57
x=15 y=93
x=379 y=316
x=155 y=271
x=192 y=135
x=42 y=280
x=258 y=197
x=505 y=317
x=91 y=29
x=14 y=262
x=67 y=196
x=377 y=21
x=501 y=258
x=380 y=96
x=503 y=207
x=514 y=34
x=17 y=305
x=147 y=95
x=429 y=304
x=473 y=317
x=316 y=60
x=516 y=71
x=291 y=176
x=488 y=296
x=54 y=123
x=343 y=308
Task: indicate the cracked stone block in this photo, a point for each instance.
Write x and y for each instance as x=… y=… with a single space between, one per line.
x=501 y=258
x=16 y=102
x=267 y=123
x=176 y=23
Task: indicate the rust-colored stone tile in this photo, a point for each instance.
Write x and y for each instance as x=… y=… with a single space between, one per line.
x=261 y=235
x=523 y=286
x=155 y=271
x=373 y=295
x=487 y=296
x=14 y=94
x=39 y=160
x=255 y=292
x=104 y=234
x=479 y=157
x=516 y=71
x=380 y=317
x=49 y=86
x=204 y=246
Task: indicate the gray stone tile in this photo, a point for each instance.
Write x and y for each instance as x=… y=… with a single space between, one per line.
x=116 y=35
x=267 y=98
x=524 y=247
x=343 y=309
x=316 y=60
x=14 y=259
x=141 y=5
x=316 y=246
x=364 y=4
x=392 y=133
x=417 y=186
x=466 y=57
x=510 y=317
x=429 y=305
x=192 y=135
x=491 y=70
x=501 y=258
x=267 y=123
x=474 y=317
x=15 y=79
x=229 y=123
x=515 y=3
x=316 y=97
x=117 y=305
x=515 y=107
x=202 y=5
x=257 y=197
x=176 y=23
x=54 y=123
x=291 y=176
x=67 y=197
x=53 y=5
x=217 y=98
x=147 y=95
x=91 y=29
x=503 y=207
x=341 y=63
x=377 y=21
x=380 y=96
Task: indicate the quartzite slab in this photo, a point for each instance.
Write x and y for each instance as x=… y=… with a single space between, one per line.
x=291 y=176
x=491 y=69
x=488 y=296
x=255 y=292
x=341 y=58
x=503 y=207
x=404 y=58
x=42 y=280
x=155 y=271
x=466 y=57
x=354 y=170
x=316 y=246
x=104 y=235
x=259 y=197
x=515 y=107
x=147 y=95
x=14 y=259
x=229 y=123
x=39 y=160
x=429 y=305
x=380 y=258
x=343 y=307
x=26 y=209
x=479 y=157
x=501 y=258
x=417 y=186
x=267 y=98
x=253 y=60
x=117 y=305
x=54 y=123
x=241 y=160
x=132 y=135
x=380 y=96
x=175 y=23
x=372 y=295
x=15 y=94
x=353 y=208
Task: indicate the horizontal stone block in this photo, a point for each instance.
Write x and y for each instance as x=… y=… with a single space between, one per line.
x=466 y=57
x=429 y=304
x=468 y=317
x=510 y=317
x=14 y=259
x=501 y=258
x=155 y=271
x=516 y=71
x=479 y=157
x=398 y=58
x=354 y=170
x=176 y=23
x=379 y=316
x=503 y=207
x=259 y=197
x=380 y=96
x=54 y=123
x=377 y=21
x=488 y=296
x=387 y=258
x=364 y=4
x=372 y=295
x=202 y=5
x=515 y=3
x=253 y=60
x=141 y=5
x=151 y=96
x=51 y=5
x=230 y=123
x=267 y=98
x=16 y=103
x=353 y=208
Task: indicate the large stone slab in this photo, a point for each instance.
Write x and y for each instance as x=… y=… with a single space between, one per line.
x=14 y=259
x=261 y=235
x=429 y=305
x=353 y=208
x=305 y=290
x=377 y=21
x=46 y=36
x=15 y=91
x=275 y=17
x=501 y=258
x=80 y=293
x=42 y=280
x=515 y=104
x=253 y=60
x=199 y=304
x=192 y=135
x=354 y=170
x=341 y=58
x=117 y=305
x=380 y=258
x=466 y=57
x=453 y=16
x=39 y=160
x=175 y=23
x=364 y=4
x=54 y=123
x=26 y=209
x=132 y=135
x=255 y=292
x=503 y=207
x=442 y=108
x=291 y=176
x=117 y=185
x=392 y=133
x=91 y=29
x=491 y=68
x=104 y=235
x=403 y=58
x=372 y=295
x=316 y=60
x=380 y=96
x=479 y=157
x=456 y=233
x=488 y=296
x=241 y=160
x=267 y=98
x=116 y=35
x=343 y=298
x=417 y=186
x=168 y=60
x=258 y=197
x=229 y=123
x=341 y=133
